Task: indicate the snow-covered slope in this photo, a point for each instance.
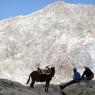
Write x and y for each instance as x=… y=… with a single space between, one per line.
x=62 y=35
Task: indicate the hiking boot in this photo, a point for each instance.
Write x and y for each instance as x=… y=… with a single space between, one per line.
x=61 y=87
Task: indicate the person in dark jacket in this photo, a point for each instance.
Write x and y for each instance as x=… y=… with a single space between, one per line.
x=87 y=74
x=76 y=79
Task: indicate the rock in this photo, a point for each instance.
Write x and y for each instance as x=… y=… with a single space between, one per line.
x=8 y=87
x=82 y=88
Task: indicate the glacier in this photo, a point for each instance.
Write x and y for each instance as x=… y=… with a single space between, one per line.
x=60 y=35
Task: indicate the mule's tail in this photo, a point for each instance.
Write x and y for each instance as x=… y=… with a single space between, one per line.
x=28 y=79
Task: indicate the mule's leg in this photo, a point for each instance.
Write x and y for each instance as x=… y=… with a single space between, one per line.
x=32 y=84
x=46 y=86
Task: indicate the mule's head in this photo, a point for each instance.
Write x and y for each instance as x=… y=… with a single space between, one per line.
x=52 y=71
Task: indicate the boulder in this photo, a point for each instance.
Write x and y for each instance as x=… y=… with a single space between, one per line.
x=82 y=88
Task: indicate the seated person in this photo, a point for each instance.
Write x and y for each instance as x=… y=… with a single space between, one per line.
x=87 y=74
x=76 y=78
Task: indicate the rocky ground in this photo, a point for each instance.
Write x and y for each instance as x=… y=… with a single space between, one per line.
x=8 y=87
x=82 y=88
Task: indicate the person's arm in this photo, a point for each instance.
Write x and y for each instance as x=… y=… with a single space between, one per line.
x=83 y=74
x=74 y=76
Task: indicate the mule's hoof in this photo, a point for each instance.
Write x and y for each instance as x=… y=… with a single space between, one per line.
x=61 y=87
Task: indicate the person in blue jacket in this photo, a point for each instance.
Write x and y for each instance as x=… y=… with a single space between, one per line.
x=76 y=76
x=76 y=79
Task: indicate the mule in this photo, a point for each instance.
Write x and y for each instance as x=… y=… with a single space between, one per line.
x=38 y=77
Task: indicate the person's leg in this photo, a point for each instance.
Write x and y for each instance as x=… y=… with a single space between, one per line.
x=67 y=84
x=90 y=77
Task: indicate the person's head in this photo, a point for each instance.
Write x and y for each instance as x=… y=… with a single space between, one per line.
x=86 y=68
x=74 y=70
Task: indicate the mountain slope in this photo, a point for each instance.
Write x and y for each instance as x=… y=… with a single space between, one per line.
x=62 y=35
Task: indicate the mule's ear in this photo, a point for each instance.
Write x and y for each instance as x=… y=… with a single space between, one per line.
x=52 y=68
